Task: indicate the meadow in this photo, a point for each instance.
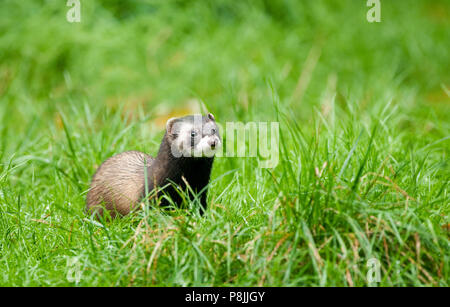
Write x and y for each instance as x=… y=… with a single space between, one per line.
x=364 y=112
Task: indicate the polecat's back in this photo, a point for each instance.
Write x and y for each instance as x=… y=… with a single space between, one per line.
x=118 y=183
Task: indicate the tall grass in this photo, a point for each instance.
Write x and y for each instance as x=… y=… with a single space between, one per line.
x=364 y=141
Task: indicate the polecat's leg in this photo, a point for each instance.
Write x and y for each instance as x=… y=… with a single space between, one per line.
x=203 y=203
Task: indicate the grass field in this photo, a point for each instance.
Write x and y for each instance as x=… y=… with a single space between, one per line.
x=364 y=113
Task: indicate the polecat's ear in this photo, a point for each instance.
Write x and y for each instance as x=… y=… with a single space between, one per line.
x=211 y=117
x=169 y=124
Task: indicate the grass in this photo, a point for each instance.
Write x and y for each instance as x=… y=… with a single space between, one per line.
x=364 y=119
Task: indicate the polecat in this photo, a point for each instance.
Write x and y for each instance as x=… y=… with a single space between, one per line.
x=185 y=157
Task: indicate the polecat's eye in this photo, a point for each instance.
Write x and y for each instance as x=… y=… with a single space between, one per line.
x=193 y=134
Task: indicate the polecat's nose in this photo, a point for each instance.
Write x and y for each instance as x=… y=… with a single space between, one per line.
x=212 y=144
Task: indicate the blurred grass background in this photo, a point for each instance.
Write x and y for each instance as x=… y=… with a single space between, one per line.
x=168 y=52
x=73 y=94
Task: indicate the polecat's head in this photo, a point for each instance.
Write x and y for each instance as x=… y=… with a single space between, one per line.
x=193 y=136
